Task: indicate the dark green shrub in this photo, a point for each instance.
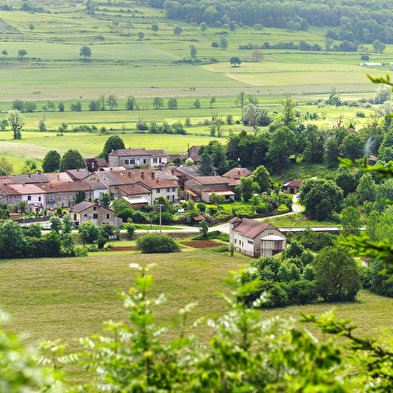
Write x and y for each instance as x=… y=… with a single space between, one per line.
x=277 y=295
x=152 y=243
x=302 y=291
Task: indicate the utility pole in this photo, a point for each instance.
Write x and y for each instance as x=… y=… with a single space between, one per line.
x=160 y=205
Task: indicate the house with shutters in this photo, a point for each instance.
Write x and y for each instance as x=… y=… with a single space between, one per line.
x=254 y=238
x=129 y=158
x=64 y=194
x=97 y=214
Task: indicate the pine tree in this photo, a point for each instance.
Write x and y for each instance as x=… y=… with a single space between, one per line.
x=206 y=165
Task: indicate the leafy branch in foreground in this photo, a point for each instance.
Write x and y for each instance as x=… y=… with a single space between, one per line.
x=362 y=245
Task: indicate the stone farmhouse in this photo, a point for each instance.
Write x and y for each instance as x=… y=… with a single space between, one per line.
x=129 y=158
x=99 y=215
x=254 y=238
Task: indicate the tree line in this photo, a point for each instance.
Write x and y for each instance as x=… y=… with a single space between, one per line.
x=362 y=21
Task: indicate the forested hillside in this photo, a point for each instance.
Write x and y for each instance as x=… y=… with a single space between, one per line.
x=363 y=21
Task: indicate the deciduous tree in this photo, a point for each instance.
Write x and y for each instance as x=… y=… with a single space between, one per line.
x=114 y=142
x=51 y=161
x=16 y=121
x=262 y=177
x=177 y=31
x=72 y=159
x=337 y=274
x=85 y=51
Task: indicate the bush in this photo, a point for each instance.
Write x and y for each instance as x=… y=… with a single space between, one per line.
x=201 y=207
x=302 y=291
x=108 y=230
x=360 y=114
x=130 y=228
x=152 y=243
x=277 y=295
x=215 y=44
x=92 y=231
x=126 y=213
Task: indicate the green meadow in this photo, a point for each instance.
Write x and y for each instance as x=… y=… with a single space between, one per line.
x=68 y=298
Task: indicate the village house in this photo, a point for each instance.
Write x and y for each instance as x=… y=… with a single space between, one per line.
x=64 y=194
x=12 y=194
x=200 y=188
x=136 y=194
x=254 y=238
x=292 y=187
x=129 y=158
x=97 y=214
x=59 y=177
x=148 y=178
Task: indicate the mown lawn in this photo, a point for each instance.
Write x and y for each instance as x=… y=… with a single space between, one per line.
x=69 y=298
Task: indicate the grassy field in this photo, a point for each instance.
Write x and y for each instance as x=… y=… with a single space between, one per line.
x=69 y=298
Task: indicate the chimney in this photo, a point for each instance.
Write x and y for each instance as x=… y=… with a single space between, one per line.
x=142 y=175
x=132 y=186
x=238 y=172
x=39 y=172
x=29 y=176
x=129 y=174
x=111 y=169
x=23 y=184
x=172 y=172
x=157 y=181
x=112 y=152
x=152 y=176
x=58 y=177
x=77 y=170
x=50 y=185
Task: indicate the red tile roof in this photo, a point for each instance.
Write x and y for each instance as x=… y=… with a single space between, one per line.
x=237 y=173
x=71 y=186
x=250 y=228
x=211 y=180
x=134 y=189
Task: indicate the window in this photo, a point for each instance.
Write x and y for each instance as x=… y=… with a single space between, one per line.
x=126 y=162
x=85 y=215
x=250 y=242
x=168 y=190
x=235 y=241
x=174 y=189
x=74 y=217
x=157 y=190
x=154 y=160
x=95 y=208
x=95 y=216
x=51 y=198
x=39 y=199
x=29 y=197
x=159 y=160
x=107 y=216
x=144 y=160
